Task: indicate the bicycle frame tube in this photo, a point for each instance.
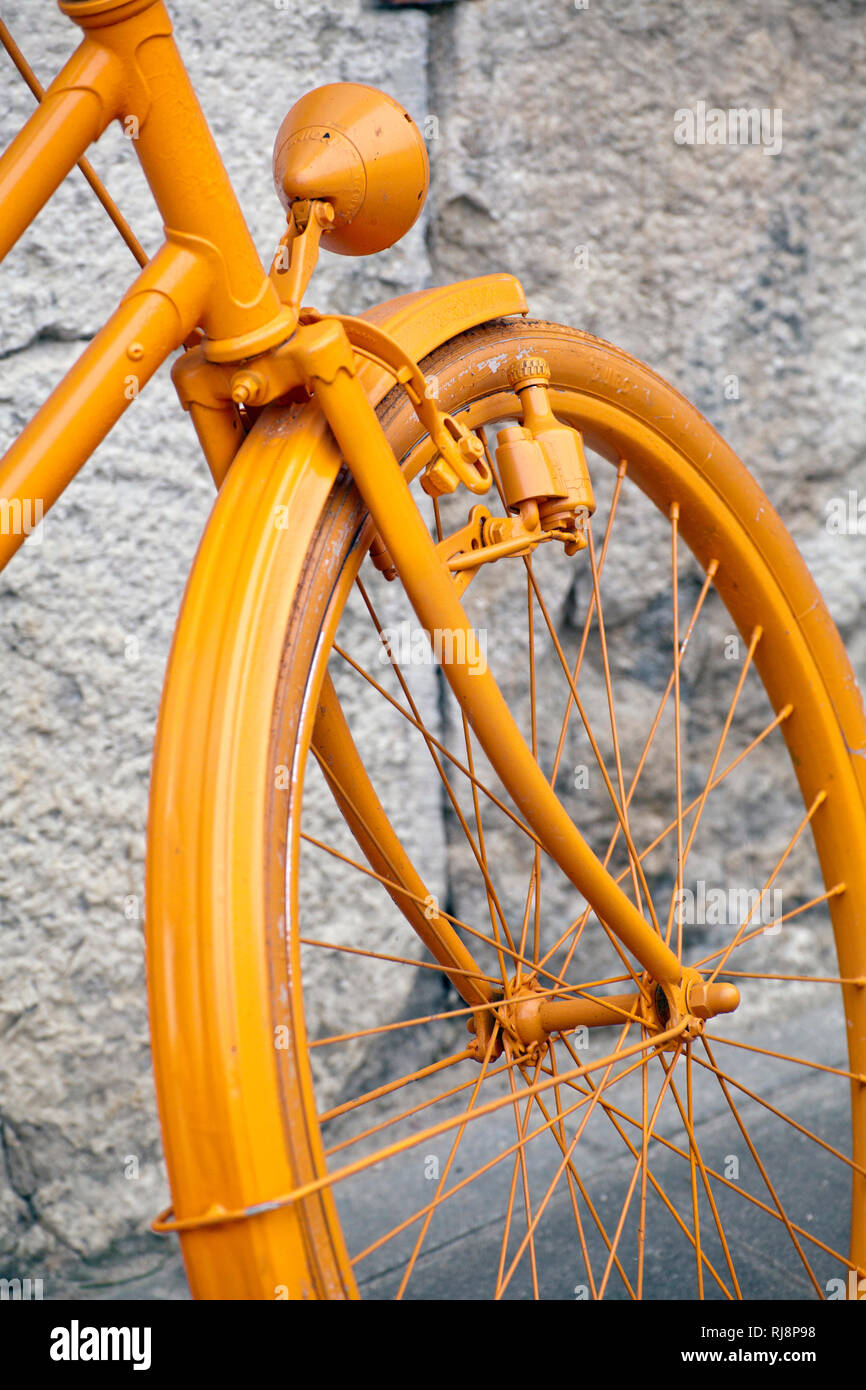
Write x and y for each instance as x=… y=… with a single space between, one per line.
x=74 y=112
x=208 y=272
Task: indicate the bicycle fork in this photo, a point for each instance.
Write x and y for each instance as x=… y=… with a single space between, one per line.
x=324 y=355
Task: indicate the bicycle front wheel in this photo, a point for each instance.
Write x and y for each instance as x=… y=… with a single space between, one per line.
x=321 y=809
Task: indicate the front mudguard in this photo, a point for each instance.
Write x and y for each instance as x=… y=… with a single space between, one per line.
x=424 y=321
x=216 y=893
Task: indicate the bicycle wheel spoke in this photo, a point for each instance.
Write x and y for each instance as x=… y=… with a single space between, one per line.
x=512 y=1190
x=786 y=917
x=693 y=1167
x=491 y=906
x=644 y=1173
x=490 y=1108
x=395 y=1027
x=702 y=799
x=740 y=758
x=788 y=850
x=788 y=1057
x=605 y=662
x=558 y=1174
x=578 y=924
x=801 y=979
x=389 y=1087
x=449 y=790
x=398 y=960
x=636 y=1172
x=725 y=1079
x=380 y=844
x=843 y=1259
x=435 y=742
x=697 y=1164
x=633 y=854
x=695 y=1159
x=536 y=868
x=392 y=885
x=549 y=1124
x=654 y=844
x=416 y=1109
x=678 y=758
x=783 y=714
x=519 y=1167
x=711 y=570
x=722 y=1080
x=571 y=1170
x=590 y=609
x=491 y=464
x=451 y=1157
x=559 y=1136
x=611 y=1112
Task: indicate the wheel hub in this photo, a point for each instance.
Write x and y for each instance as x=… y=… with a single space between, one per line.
x=528 y=1013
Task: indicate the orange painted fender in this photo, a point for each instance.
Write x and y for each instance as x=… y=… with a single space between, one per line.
x=229 y=1100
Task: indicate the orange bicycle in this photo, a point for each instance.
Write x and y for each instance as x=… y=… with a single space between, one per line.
x=446 y=997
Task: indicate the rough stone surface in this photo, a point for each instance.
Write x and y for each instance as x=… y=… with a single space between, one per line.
x=736 y=274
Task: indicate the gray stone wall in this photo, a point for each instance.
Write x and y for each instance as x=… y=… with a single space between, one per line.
x=735 y=273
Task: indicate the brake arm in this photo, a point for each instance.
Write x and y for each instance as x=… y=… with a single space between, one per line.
x=460 y=452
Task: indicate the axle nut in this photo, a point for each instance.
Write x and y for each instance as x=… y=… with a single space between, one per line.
x=707 y=1000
